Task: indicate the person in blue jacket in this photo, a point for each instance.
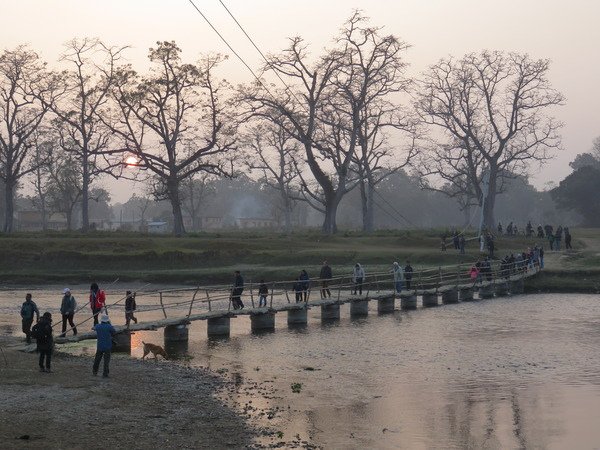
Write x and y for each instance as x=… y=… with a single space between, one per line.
x=104 y=332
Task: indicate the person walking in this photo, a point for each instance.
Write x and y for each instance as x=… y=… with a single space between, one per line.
x=263 y=291
x=104 y=332
x=398 y=277
x=42 y=331
x=97 y=301
x=297 y=288
x=358 y=276
x=236 y=291
x=558 y=238
x=408 y=274
x=326 y=275
x=568 y=239
x=28 y=310
x=461 y=244
x=305 y=280
x=67 y=311
x=130 y=307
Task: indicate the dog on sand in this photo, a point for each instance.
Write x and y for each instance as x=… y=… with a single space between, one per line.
x=155 y=350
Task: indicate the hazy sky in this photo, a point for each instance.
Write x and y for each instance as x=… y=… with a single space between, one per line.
x=566 y=32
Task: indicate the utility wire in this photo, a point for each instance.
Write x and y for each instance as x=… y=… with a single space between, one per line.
x=393 y=208
x=231 y=48
x=260 y=52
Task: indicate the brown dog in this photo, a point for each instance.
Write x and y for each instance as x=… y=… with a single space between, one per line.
x=155 y=350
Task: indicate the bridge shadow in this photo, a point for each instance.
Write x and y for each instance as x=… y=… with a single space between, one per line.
x=178 y=350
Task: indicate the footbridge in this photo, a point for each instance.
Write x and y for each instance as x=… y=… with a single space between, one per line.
x=175 y=309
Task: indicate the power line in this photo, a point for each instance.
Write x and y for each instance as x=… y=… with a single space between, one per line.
x=393 y=208
x=260 y=52
x=230 y=47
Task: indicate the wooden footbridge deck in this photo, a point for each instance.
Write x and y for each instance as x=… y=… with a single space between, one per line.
x=180 y=307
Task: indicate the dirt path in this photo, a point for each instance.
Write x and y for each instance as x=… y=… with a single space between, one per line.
x=142 y=405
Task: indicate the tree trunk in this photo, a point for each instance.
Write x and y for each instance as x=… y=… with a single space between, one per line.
x=44 y=213
x=365 y=205
x=9 y=205
x=490 y=202
x=173 y=187
x=85 y=196
x=370 y=222
x=332 y=201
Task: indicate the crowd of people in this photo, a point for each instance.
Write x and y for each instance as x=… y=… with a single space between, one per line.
x=554 y=237
x=42 y=331
x=513 y=263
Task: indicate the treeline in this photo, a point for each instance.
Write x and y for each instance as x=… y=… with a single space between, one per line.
x=346 y=127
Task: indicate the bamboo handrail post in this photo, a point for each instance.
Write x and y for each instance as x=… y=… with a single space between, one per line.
x=192 y=302
x=208 y=300
x=161 y=304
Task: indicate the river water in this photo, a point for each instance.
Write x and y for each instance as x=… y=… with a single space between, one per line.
x=514 y=372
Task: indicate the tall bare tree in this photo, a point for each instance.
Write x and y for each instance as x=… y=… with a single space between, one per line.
x=83 y=113
x=275 y=155
x=372 y=81
x=65 y=185
x=45 y=145
x=194 y=192
x=22 y=77
x=490 y=108
x=174 y=121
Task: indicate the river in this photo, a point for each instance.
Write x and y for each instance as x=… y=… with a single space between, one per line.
x=514 y=372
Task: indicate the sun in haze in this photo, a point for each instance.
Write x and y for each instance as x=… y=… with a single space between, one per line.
x=131 y=161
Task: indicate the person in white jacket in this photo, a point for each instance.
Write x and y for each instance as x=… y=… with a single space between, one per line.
x=398 y=277
x=358 y=277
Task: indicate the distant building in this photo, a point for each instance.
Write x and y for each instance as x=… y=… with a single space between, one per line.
x=211 y=223
x=157 y=227
x=32 y=221
x=254 y=222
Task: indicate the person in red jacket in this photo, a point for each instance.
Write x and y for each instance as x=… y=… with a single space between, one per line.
x=97 y=301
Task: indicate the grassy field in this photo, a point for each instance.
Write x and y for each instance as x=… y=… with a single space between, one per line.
x=211 y=257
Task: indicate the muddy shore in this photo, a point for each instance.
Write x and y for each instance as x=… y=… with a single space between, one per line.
x=143 y=404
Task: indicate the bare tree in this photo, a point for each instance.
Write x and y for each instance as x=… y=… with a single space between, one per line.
x=65 y=187
x=490 y=108
x=275 y=156
x=173 y=121
x=83 y=114
x=194 y=191
x=22 y=78
x=42 y=156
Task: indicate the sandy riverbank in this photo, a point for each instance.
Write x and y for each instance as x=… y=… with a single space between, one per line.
x=143 y=404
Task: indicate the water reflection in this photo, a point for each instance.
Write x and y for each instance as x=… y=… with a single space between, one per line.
x=516 y=372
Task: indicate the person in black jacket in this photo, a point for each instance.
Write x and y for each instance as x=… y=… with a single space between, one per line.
x=263 y=292
x=28 y=310
x=67 y=311
x=326 y=275
x=42 y=331
x=130 y=307
x=408 y=274
x=236 y=291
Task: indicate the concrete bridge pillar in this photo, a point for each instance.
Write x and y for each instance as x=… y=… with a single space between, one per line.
x=330 y=312
x=486 y=291
x=218 y=326
x=466 y=294
x=408 y=301
x=264 y=321
x=122 y=342
x=298 y=316
x=501 y=289
x=450 y=296
x=517 y=287
x=386 y=304
x=430 y=299
x=176 y=333
x=359 y=307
